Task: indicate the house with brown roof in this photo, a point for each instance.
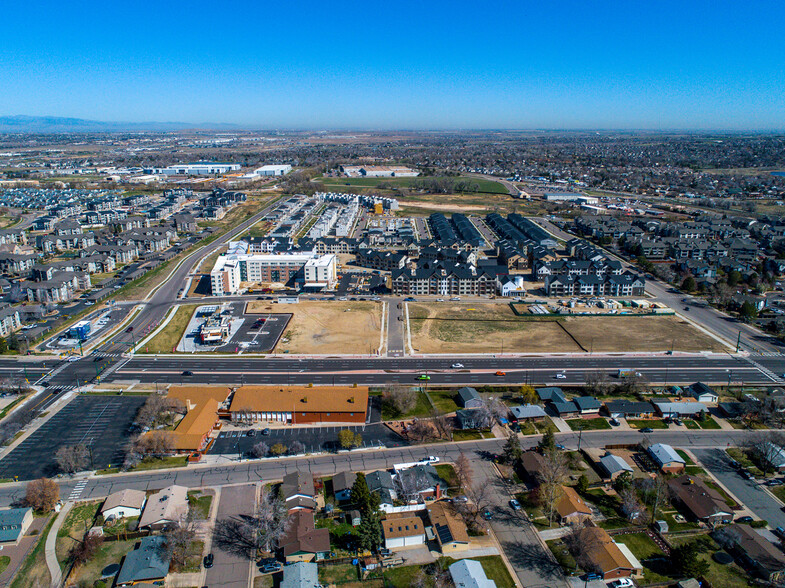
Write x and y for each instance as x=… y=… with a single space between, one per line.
x=123 y=504
x=166 y=508
x=613 y=560
x=450 y=531
x=572 y=509
x=755 y=551
x=532 y=463
x=300 y=404
x=403 y=531
x=699 y=500
x=302 y=540
x=298 y=491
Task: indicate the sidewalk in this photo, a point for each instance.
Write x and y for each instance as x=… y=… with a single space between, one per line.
x=51 y=541
x=561 y=424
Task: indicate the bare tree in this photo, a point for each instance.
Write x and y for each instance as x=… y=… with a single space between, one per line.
x=42 y=494
x=154 y=444
x=479 y=499
x=247 y=535
x=84 y=550
x=491 y=411
x=581 y=541
x=261 y=449
x=598 y=383
x=296 y=448
x=443 y=425
x=159 y=411
x=421 y=430
x=73 y=458
x=551 y=476
x=631 y=505
x=178 y=541
x=765 y=448
x=402 y=399
x=463 y=470
x=654 y=491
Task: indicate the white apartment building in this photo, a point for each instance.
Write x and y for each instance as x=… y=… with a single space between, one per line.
x=321 y=271
x=231 y=270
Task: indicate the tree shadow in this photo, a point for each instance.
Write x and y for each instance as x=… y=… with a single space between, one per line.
x=534 y=558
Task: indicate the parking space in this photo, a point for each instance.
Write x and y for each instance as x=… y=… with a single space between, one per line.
x=102 y=423
x=314 y=439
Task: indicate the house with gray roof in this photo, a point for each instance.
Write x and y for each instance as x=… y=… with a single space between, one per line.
x=147 y=563
x=468 y=573
x=469 y=397
x=614 y=466
x=565 y=409
x=14 y=523
x=703 y=393
x=551 y=394
x=680 y=409
x=342 y=485
x=381 y=483
x=302 y=574
x=587 y=404
x=666 y=458
x=528 y=412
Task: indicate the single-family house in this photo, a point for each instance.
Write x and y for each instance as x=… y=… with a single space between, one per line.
x=403 y=530
x=613 y=466
x=14 y=523
x=571 y=508
x=629 y=409
x=527 y=412
x=468 y=397
x=703 y=393
x=680 y=409
x=165 y=508
x=666 y=458
x=565 y=409
x=342 y=485
x=380 y=482
x=468 y=573
x=123 y=504
x=450 y=531
x=302 y=540
x=148 y=563
x=587 y=404
x=420 y=480
x=755 y=551
x=533 y=464
x=611 y=559
x=298 y=491
x=699 y=500
x=551 y=394
x=301 y=574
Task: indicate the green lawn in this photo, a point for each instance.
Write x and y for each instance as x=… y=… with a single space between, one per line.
x=340 y=574
x=562 y=555
x=643 y=547
x=740 y=456
x=708 y=423
x=674 y=526
x=608 y=505
x=589 y=424
x=444 y=400
x=4 y=561
x=484 y=186
x=644 y=423
x=169 y=337
x=77 y=522
x=685 y=457
x=401 y=577
x=110 y=552
x=447 y=473
x=200 y=504
x=467 y=435
x=690 y=424
x=421 y=408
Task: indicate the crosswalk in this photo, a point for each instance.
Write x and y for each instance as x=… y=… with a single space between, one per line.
x=766 y=371
x=77 y=491
x=104 y=354
x=769 y=354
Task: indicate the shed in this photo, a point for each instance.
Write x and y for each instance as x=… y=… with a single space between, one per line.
x=469 y=398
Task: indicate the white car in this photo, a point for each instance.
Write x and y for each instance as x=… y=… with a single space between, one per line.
x=455 y=299
x=433 y=459
x=456 y=366
x=560 y=376
x=622 y=583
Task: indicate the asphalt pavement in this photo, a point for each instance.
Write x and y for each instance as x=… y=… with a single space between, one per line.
x=229 y=570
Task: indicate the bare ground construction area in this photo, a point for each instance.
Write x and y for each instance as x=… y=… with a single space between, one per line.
x=327 y=327
x=494 y=328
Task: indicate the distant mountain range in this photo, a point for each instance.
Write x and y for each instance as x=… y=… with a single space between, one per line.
x=58 y=124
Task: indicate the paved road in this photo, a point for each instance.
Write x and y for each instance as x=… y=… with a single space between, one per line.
x=663 y=369
x=231 y=570
x=396 y=344
x=749 y=492
x=710 y=318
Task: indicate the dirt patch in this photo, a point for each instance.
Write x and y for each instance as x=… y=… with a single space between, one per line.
x=327 y=327
x=482 y=328
x=486 y=328
x=639 y=333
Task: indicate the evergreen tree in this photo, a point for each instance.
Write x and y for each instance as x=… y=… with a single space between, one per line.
x=685 y=558
x=548 y=441
x=512 y=449
x=370 y=531
x=360 y=494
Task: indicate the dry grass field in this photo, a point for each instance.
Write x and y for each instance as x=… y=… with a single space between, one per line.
x=327 y=327
x=482 y=327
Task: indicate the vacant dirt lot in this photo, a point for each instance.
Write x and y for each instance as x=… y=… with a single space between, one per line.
x=639 y=333
x=327 y=327
x=482 y=327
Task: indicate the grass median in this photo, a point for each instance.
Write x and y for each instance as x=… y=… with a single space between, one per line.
x=170 y=335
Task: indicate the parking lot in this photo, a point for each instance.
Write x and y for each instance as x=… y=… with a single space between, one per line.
x=100 y=422
x=315 y=439
x=257 y=333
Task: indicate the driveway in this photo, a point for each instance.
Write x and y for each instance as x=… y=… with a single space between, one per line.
x=754 y=497
x=230 y=570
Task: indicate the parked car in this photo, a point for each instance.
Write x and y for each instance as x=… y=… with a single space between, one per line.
x=423 y=377
x=775 y=482
x=188 y=373
x=747 y=475
x=265 y=432
x=622 y=583
x=208 y=561
x=515 y=504
x=647 y=430
x=433 y=459
x=779 y=532
x=746 y=519
x=614 y=422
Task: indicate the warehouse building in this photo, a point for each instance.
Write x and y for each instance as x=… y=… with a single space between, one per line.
x=200 y=168
x=300 y=404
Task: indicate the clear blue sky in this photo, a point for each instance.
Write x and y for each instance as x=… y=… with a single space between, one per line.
x=428 y=64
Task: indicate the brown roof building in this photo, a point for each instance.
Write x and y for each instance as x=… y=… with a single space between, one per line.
x=703 y=503
x=571 y=507
x=614 y=560
x=403 y=531
x=300 y=404
x=449 y=529
x=303 y=541
x=757 y=552
x=202 y=403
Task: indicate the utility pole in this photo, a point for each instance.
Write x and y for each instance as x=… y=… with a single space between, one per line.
x=580 y=436
x=738 y=342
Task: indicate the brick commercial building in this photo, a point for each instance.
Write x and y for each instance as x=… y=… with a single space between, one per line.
x=300 y=404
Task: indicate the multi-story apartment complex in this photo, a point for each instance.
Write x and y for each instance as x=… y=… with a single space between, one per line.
x=305 y=269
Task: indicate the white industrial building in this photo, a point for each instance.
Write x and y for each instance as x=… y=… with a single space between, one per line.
x=201 y=168
x=576 y=197
x=268 y=170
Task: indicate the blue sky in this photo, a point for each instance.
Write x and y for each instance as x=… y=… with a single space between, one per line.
x=428 y=64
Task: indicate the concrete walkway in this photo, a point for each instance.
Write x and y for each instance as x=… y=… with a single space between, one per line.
x=49 y=547
x=561 y=424
x=556 y=533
